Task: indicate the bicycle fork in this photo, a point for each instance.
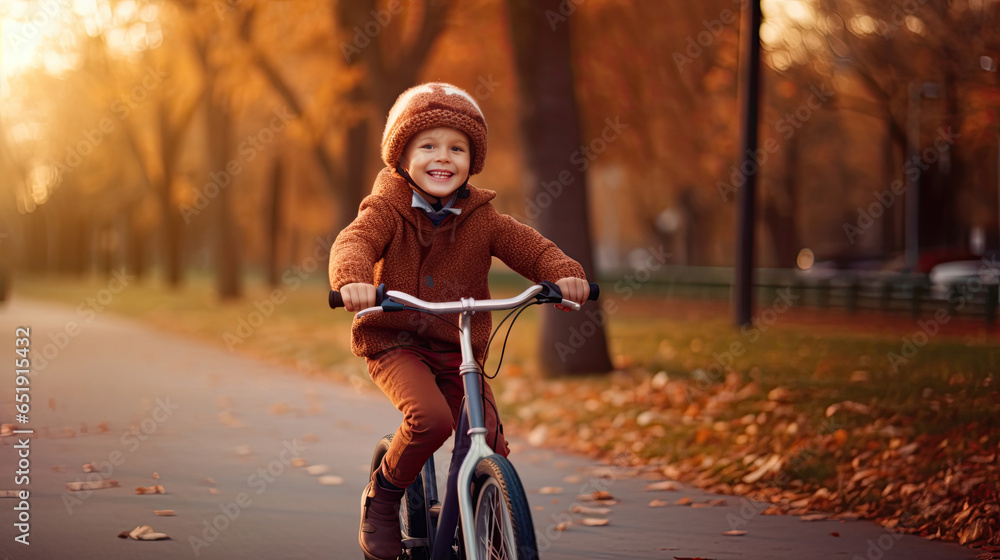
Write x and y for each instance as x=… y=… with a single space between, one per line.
x=476 y=440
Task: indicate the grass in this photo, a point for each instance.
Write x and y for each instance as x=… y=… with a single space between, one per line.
x=949 y=384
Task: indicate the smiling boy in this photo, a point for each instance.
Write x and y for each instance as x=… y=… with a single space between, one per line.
x=425 y=231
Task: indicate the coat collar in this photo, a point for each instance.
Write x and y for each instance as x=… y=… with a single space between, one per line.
x=393 y=189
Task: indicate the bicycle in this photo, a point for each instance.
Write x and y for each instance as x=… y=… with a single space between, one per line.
x=486 y=516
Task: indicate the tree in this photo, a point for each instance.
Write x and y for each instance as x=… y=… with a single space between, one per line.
x=570 y=343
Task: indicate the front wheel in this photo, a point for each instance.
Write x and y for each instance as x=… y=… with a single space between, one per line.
x=501 y=513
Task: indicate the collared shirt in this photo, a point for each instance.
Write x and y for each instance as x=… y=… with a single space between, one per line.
x=435 y=216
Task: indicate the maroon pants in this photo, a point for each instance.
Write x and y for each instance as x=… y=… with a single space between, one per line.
x=423 y=382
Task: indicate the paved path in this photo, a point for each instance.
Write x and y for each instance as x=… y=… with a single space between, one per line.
x=191 y=412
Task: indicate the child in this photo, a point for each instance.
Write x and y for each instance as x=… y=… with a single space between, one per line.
x=425 y=231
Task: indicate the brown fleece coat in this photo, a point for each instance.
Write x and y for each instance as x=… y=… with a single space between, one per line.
x=393 y=243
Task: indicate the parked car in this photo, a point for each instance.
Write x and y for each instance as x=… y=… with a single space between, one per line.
x=954 y=275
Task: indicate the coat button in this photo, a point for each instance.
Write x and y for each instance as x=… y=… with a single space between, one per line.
x=429 y=281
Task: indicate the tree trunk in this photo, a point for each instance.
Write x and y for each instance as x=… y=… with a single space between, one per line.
x=571 y=343
x=135 y=247
x=227 y=265
x=274 y=225
x=172 y=236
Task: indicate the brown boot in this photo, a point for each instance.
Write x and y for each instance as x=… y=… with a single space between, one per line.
x=380 y=536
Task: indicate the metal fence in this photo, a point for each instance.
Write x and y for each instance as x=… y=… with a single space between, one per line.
x=893 y=293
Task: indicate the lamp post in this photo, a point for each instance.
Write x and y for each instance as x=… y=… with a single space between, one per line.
x=749 y=104
x=917 y=91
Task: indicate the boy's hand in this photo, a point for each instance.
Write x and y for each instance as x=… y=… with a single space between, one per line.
x=358 y=296
x=573 y=289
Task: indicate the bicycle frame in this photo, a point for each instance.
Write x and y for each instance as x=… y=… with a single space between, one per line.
x=469 y=370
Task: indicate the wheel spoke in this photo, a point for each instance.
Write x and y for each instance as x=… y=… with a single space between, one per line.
x=493 y=525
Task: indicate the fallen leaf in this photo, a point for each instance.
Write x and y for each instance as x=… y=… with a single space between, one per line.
x=310 y=438
x=594 y=522
x=228 y=419
x=243 y=450
x=685 y=501
x=279 y=408
x=157 y=489
x=840 y=437
x=92 y=485
x=145 y=533
x=88 y=468
x=563 y=526
x=156 y=476
x=779 y=394
x=213 y=490
x=834 y=534
x=317 y=469
x=590 y=510
x=600 y=495
x=298 y=462
x=164 y=512
x=331 y=480
x=658 y=503
x=550 y=490
x=662 y=485
x=734 y=533
x=773 y=463
x=814 y=517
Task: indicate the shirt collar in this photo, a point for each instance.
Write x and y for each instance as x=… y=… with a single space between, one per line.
x=419 y=202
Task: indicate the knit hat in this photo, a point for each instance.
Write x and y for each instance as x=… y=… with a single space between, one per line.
x=433 y=105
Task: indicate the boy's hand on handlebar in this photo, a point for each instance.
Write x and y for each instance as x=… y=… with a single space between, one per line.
x=573 y=289
x=358 y=296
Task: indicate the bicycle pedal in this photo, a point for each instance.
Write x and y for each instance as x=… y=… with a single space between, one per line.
x=435 y=511
x=409 y=543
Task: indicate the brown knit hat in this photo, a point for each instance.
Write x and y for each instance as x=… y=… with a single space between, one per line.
x=429 y=106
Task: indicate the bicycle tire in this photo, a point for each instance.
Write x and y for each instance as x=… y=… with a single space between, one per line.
x=501 y=513
x=413 y=509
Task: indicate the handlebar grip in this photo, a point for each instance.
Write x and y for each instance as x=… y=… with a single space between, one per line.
x=595 y=292
x=336 y=300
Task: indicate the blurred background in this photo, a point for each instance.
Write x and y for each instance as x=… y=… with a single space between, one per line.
x=190 y=162
x=226 y=136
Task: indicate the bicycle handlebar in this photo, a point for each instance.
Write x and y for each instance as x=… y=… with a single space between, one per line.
x=546 y=292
